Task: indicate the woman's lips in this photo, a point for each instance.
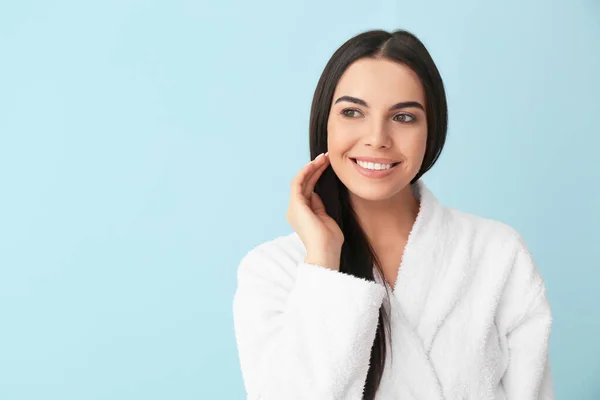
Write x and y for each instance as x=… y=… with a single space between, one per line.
x=369 y=173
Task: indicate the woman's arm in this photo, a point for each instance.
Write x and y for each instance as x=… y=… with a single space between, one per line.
x=307 y=336
x=526 y=320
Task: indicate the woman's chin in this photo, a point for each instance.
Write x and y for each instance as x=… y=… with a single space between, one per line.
x=372 y=193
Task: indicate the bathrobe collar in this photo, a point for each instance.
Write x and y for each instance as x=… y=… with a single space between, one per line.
x=422 y=297
x=430 y=257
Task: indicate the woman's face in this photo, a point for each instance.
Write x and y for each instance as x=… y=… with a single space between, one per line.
x=378 y=110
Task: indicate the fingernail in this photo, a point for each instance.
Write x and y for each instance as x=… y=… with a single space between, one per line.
x=327 y=153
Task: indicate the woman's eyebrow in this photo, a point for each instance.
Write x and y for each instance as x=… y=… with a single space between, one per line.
x=397 y=106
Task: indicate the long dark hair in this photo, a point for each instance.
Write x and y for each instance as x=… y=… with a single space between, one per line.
x=358 y=256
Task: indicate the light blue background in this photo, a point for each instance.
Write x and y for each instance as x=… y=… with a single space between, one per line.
x=145 y=147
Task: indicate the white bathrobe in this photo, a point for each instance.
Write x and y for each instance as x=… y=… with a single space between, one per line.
x=469 y=317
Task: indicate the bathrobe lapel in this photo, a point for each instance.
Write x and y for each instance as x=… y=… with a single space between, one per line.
x=429 y=282
x=409 y=373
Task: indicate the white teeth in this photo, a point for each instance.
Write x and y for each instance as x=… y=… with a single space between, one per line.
x=374 y=166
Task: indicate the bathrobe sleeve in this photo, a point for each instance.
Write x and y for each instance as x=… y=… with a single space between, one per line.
x=525 y=318
x=307 y=336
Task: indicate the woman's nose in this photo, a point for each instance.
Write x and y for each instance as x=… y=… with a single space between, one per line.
x=378 y=136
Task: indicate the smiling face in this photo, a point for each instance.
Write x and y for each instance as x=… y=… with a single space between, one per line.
x=377 y=111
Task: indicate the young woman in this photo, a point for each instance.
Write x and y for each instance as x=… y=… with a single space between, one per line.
x=382 y=292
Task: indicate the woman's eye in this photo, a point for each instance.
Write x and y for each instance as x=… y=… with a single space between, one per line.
x=348 y=112
x=404 y=118
x=352 y=112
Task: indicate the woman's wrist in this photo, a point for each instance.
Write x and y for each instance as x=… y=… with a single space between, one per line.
x=328 y=259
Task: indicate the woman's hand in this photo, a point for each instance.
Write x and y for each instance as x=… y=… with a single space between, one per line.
x=306 y=213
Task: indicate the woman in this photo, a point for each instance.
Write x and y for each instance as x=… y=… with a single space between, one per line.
x=381 y=292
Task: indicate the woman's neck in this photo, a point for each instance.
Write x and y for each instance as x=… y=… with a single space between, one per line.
x=387 y=221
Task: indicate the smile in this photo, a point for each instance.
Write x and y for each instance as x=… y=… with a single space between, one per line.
x=378 y=171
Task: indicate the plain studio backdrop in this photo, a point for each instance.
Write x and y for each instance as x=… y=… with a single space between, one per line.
x=146 y=146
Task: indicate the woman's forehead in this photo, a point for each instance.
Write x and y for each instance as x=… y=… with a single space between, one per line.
x=380 y=82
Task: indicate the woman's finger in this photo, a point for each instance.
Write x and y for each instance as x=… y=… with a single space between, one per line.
x=311 y=180
x=317 y=204
x=299 y=181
